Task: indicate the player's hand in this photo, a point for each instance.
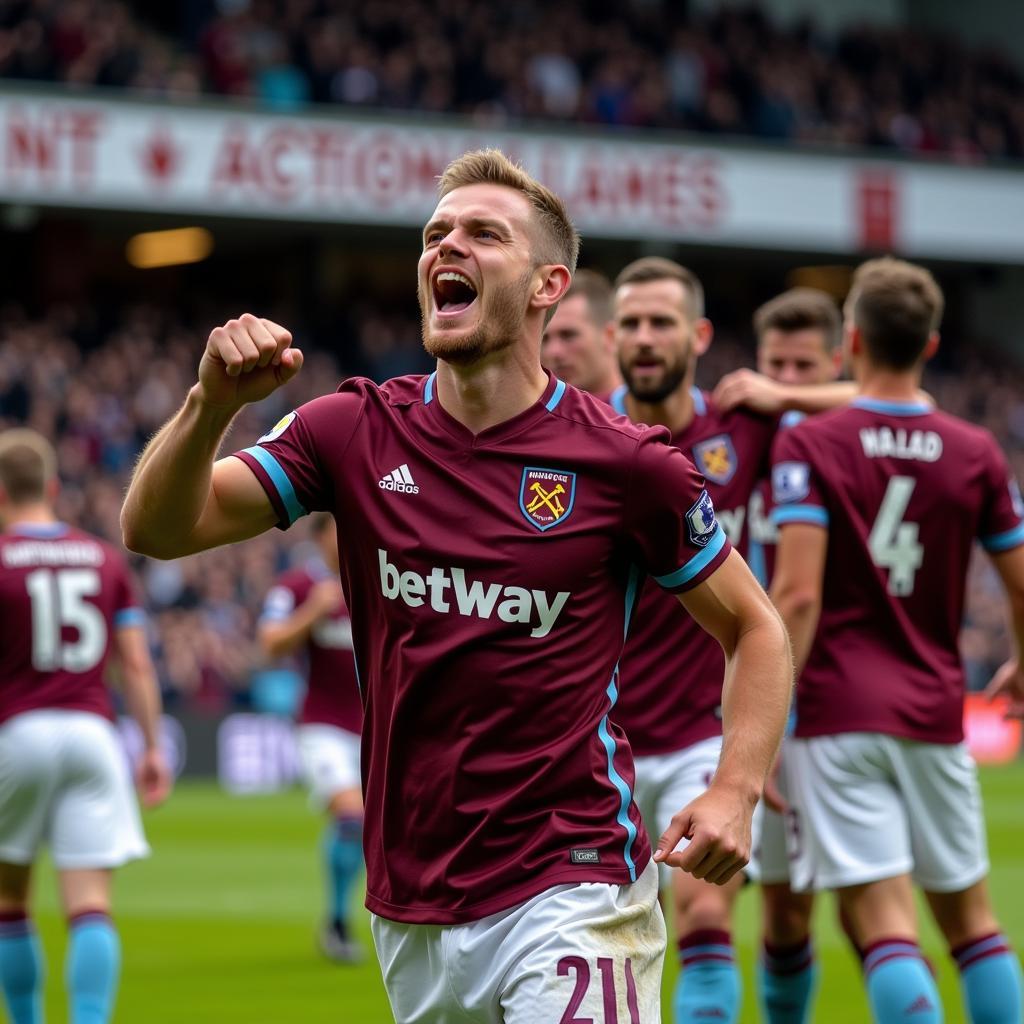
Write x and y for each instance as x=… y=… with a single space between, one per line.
x=1009 y=682
x=326 y=596
x=246 y=360
x=153 y=778
x=717 y=824
x=752 y=390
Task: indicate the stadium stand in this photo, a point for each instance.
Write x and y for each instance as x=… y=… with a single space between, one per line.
x=732 y=72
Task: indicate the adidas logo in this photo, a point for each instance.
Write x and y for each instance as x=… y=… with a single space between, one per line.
x=399 y=480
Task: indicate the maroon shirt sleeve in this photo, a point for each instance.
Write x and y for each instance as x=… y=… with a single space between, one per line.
x=1001 y=527
x=670 y=518
x=797 y=496
x=287 y=460
x=128 y=610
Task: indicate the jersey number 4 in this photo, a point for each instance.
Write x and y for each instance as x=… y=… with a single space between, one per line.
x=59 y=600
x=893 y=543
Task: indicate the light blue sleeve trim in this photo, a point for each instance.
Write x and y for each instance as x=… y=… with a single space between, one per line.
x=129 y=617
x=279 y=478
x=1004 y=541
x=556 y=396
x=813 y=514
x=696 y=564
x=428 y=389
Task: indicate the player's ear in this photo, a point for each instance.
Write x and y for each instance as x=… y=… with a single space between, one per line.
x=52 y=489
x=703 y=332
x=931 y=346
x=552 y=284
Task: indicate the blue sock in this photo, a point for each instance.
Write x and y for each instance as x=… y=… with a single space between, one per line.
x=901 y=988
x=708 y=987
x=21 y=968
x=93 y=968
x=788 y=978
x=991 y=979
x=343 y=853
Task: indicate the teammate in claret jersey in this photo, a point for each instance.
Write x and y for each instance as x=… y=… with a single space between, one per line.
x=672 y=671
x=878 y=506
x=494 y=525
x=577 y=345
x=671 y=703
x=799 y=336
x=67 y=608
x=305 y=613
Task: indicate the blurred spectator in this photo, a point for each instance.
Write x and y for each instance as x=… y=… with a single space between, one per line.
x=729 y=71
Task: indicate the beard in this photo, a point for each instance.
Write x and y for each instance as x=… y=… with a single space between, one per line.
x=500 y=324
x=657 y=390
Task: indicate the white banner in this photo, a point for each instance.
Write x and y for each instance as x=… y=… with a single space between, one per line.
x=217 y=160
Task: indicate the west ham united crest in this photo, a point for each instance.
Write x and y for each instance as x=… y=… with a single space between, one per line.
x=546 y=496
x=716 y=458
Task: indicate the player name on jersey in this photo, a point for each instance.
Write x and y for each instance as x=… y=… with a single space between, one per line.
x=47 y=552
x=886 y=443
x=517 y=604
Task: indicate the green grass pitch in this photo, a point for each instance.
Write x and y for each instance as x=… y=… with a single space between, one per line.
x=218 y=925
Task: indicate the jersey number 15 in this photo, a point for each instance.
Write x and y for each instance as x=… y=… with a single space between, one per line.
x=58 y=600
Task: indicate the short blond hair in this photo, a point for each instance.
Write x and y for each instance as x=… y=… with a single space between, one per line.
x=897 y=306
x=559 y=240
x=28 y=464
x=657 y=268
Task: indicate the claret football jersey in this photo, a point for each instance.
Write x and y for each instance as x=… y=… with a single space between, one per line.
x=672 y=670
x=491 y=580
x=63 y=594
x=904 y=491
x=332 y=693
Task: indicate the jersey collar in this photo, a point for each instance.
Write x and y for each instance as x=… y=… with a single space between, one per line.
x=890 y=408
x=39 y=529
x=549 y=400
x=617 y=400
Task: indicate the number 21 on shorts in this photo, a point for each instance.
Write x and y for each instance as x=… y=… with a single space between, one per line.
x=578 y=966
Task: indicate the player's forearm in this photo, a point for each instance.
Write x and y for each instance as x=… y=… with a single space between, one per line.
x=755 y=705
x=812 y=398
x=142 y=698
x=171 y=484
x=280 y=638
x=800 y=610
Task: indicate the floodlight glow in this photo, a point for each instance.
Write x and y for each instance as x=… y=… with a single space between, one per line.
x=168 y=248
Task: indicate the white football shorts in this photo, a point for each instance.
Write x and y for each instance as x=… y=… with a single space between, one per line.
x=64 y=780
x=330 y=761
x=574 y=952
x=871 y=806
x=666 y=783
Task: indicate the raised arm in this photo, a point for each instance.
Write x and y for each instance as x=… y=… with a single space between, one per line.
x=764 y=395
x=180 y=500
x=733 y=608
x=1009 y=680
x=142 y=697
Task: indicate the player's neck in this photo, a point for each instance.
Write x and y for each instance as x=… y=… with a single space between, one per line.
x=676 y=411
x=492 y=390
x=888 y=385
x=35 y=514
x=608 y=382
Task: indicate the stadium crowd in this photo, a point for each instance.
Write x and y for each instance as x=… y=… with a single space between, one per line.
x=101 y=390
x=731 y=72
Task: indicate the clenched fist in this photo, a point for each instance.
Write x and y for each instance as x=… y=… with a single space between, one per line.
x=246 y=360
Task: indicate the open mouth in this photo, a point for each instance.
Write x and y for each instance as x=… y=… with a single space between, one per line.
x=453 y=292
